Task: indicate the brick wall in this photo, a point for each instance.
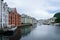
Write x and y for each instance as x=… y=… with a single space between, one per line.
x=14 y=18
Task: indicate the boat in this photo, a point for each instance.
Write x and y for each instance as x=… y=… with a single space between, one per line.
x=9 y=31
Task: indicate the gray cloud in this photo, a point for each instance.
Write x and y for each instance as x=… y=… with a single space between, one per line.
x=40 y=9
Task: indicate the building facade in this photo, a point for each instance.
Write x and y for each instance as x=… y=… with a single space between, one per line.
x=51 y=20
x=28 y=20
x=3 y=14
x=14 y=18
x=25 y=19
x=34 y=20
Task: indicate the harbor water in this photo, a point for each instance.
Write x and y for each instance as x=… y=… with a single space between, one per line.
x=40 y=32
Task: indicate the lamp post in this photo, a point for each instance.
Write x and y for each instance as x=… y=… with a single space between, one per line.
x=1 y=17
x=1 y=14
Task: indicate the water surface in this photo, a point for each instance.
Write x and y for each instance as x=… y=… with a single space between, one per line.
x=39 y=32
x=44 y=32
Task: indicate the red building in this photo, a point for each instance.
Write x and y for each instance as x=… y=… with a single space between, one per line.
x=14 y=18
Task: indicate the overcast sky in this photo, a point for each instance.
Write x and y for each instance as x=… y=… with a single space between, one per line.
x=40 y=9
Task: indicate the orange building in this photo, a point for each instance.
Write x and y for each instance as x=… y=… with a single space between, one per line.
x=14 y=18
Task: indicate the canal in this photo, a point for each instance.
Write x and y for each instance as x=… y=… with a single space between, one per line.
x=41 y=32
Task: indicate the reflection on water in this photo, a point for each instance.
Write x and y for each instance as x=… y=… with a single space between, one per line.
x=41 y=32
x=3 y=37
x=24 y=31
x=44 y=32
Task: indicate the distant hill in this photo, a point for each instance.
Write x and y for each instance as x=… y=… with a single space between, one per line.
x=57 y=15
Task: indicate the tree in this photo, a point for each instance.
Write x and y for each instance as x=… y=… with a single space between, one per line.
x=57 y=15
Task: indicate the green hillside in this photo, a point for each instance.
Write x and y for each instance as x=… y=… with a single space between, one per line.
x=57 y=15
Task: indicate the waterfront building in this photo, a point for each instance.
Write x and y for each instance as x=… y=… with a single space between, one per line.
x=52 y=19
x=43 y=21
x=31 y=20
x=34 y=20
x=25 y=19
x=3 y=14
x=14 y=18
x=28 y=20
x=47 y=21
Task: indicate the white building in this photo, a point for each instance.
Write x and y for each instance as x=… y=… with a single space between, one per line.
x=52 y=19
x=3 y=14
x=34 y=20
x=42 y=21
x=47 y=21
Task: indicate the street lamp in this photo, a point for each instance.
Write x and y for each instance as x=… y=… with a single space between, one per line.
x=1 y=14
